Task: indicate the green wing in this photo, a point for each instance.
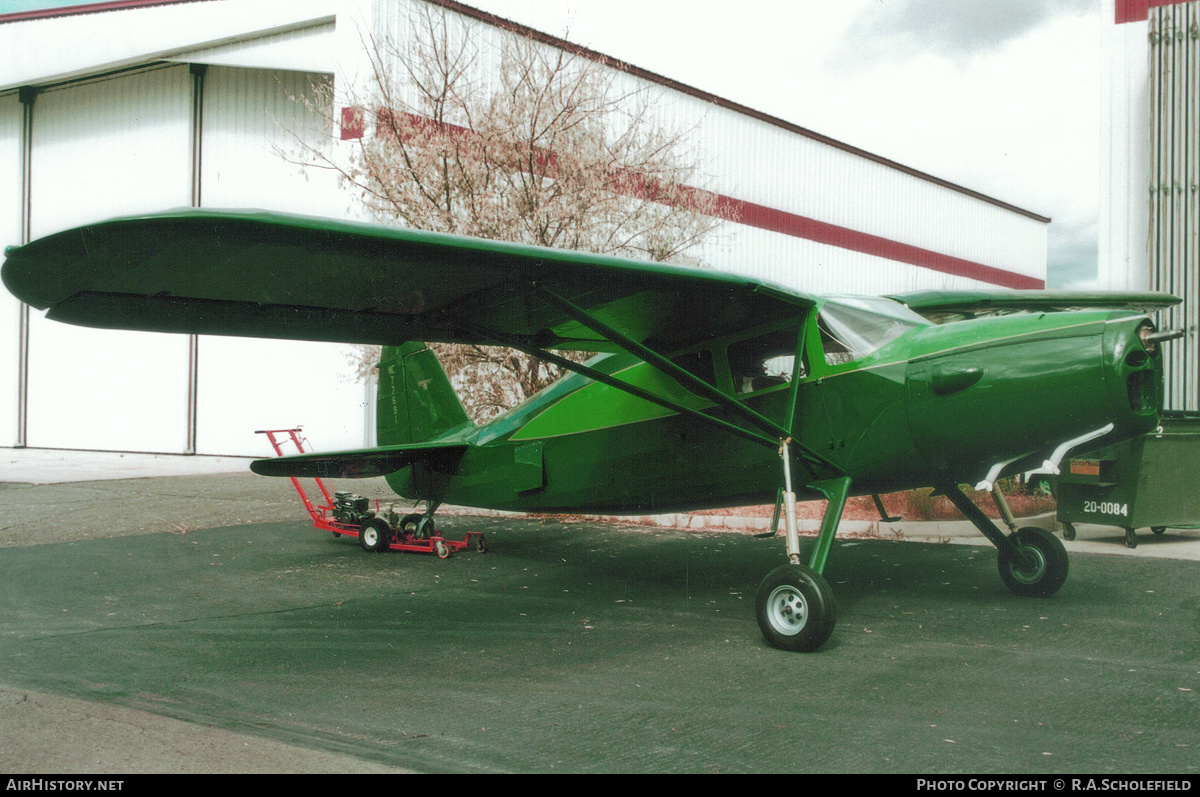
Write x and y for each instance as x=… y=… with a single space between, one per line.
x=944 y=306
x=274 y=275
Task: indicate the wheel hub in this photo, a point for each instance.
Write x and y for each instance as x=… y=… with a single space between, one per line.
x=1030 y=568
x=788 y=610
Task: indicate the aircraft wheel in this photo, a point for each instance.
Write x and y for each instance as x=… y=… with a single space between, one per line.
x=441 y=549
x=478 y=544
x=424 y=529
x=1158 y=529
x=795 y=608
x=373 y=535
x=1044 y=568
x=408 y=524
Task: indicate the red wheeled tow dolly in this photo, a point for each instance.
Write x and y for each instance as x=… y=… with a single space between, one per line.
x=345 y=514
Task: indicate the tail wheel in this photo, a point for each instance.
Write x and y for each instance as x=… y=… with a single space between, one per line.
x=1042 y=568
x=425 y=528
x=795 y=608
x=374 y=535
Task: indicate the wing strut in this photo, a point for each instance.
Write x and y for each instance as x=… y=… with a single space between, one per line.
x=520 y=344
x=687 y=380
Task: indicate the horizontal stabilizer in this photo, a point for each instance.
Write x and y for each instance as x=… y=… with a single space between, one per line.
x=362 y=463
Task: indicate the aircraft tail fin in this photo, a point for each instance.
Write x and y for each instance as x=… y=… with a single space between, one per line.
x=416 y=402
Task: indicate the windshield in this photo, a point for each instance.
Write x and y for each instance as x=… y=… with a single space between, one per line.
x=855 y=327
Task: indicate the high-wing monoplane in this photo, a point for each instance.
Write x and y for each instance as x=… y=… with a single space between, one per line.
x=706 y=389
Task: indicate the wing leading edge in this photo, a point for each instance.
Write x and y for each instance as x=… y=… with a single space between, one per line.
x=260 y=274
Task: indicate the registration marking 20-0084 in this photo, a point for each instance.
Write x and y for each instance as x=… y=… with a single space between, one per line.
x=1106 y=508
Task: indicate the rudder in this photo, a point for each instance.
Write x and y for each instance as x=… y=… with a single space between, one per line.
x=415 y=401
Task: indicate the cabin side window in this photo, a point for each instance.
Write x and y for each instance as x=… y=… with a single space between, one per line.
x=698 y=364
x=763 y=361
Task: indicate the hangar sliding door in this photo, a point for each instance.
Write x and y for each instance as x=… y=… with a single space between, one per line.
x=252 y=124
x=112 y=146
x=11 y=122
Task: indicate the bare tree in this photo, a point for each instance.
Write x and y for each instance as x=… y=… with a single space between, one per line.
x=551 y=148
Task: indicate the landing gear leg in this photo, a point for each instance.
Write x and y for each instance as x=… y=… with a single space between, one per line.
x=795 y=606
x=420 y=525
x=1032 y=561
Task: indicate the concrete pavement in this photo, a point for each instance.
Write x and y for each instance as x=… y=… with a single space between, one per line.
x=197 y=623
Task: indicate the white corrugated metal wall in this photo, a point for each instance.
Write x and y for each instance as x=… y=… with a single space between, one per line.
x=1175 y=188
x=1124 y=211
x=767 y=165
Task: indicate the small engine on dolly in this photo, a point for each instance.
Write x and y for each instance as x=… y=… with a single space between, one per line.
x=351 y=508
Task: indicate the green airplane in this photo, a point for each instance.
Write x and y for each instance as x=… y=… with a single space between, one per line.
x=706 y=389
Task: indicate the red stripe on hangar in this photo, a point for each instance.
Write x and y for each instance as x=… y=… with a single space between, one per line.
x=1139 y=10
x=354 y=126
x=780 y=221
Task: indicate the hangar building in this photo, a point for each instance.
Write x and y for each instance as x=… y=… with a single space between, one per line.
x=126 y=107
x=1150 y=163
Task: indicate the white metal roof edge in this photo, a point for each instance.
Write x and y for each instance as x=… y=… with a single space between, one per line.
x=211 y=52
x=48 y=51
x=298 y=49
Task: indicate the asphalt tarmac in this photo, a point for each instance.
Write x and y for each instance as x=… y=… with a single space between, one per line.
x=199 y=624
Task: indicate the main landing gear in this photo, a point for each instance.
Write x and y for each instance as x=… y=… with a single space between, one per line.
x=795 y=608
x=795 y=605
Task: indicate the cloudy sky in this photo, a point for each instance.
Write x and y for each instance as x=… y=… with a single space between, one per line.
x=1001 y=96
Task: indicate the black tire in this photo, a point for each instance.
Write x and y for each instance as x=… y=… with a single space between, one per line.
x=1158 y=530
x=478 y=544
x=1046 y=569
x=795 y=608
x=375 y=535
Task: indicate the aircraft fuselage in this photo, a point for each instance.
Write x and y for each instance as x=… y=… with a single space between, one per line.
x=936 y=404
